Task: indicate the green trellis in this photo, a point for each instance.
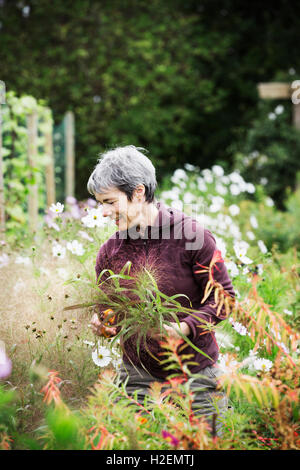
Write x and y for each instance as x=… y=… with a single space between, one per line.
x=59 y=159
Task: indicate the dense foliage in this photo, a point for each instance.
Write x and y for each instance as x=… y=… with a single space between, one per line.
x=270 y=151
x=19 y=176
x=176 y=77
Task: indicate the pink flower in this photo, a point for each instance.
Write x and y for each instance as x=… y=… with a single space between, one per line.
x=71 y=200
x=91 y=202
x=170 y=438
x=5 y=366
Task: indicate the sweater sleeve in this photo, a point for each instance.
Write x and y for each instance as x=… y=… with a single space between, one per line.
x=101 y=261
x=220 y=274
x=102 y=264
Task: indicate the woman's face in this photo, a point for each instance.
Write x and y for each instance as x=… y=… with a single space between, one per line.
x=116 y=206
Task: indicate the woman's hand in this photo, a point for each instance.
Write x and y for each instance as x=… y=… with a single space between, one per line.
x=101 y=330
x=172 y=331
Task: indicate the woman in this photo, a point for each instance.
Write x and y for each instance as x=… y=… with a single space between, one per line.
x=150 y=234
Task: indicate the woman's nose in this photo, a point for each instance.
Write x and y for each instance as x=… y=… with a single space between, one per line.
x=106 y=211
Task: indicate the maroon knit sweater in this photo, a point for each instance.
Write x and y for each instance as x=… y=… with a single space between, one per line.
x=174 y=246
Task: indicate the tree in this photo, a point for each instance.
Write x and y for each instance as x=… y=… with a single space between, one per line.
x=176 y=77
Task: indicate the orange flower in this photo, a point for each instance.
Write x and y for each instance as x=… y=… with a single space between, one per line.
x=217 y=258
x=50 y=390
x=111 y=320
x=5 y=441
x=142 y=420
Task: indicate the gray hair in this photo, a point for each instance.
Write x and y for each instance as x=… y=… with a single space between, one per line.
x=123 y=168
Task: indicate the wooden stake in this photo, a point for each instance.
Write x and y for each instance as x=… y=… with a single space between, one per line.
x=274 y=90
x=32 y=155
x=50 y=178
x=69 y=154
x=296 y=115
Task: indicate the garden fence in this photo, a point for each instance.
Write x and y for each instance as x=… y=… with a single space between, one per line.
x=30 y=160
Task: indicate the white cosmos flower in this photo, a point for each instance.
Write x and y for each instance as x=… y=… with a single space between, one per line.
x=177 y=205
x=220 y=244
x=207 y=175
x=218 y=170
x=88 y=343
x=226 y=363
x=234 y=209
x=4 y=260
x=63 y=273
x=201 y=184
x=235 y=231
x=264 y=181
x=94 y=218
x=241 y=329
x=250 y=188
x=58 y=251
x=269 y=202
x=117 y=363
x=188 y=198
x=179 y=176
x=260 y=269
x=262 y=246
x=57 y=208
x=101 y=356
x=262 y=364
x=217 y=203
x=253 y=221
x=237 y=293
x=44 y=271
x=272 y=116
x=221 y=189
x=248 y=362
x=189 y=167
x=235 y=178
x=250 y=235
x=225 y=179
x=279 y=109
x=22 y=260
x=232 y=268
x=182 y=184
x=224 y=340
x=20 y=284
x=287 y=312
x=234 y=189
x=75 y=247
x=170 y=195
x=240 y=249
x=85 y=236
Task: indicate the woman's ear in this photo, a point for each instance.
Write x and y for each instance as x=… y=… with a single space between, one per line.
x=139 y=192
